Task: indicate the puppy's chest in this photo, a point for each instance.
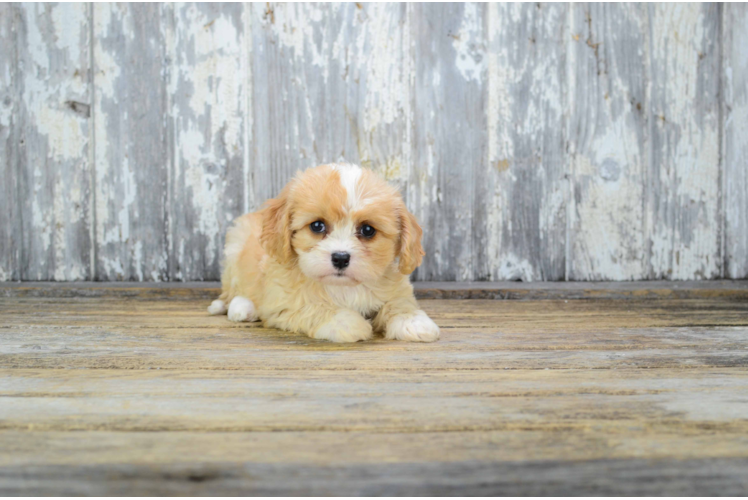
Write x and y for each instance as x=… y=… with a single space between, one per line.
x=359 y=298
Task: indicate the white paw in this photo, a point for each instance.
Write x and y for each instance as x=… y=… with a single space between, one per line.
x=242 y=309
x=345 y=326
x=217 y=307
x=416 y=327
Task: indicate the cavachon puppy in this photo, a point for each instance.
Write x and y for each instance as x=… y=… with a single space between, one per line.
x=333 y=249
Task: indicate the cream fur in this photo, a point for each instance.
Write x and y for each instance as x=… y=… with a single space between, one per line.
x=417 y=327
x=298 y=290
x=345 y=326
x=242 y=309
x=217 y=307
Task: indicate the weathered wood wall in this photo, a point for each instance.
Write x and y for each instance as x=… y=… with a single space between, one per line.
x=533 y=141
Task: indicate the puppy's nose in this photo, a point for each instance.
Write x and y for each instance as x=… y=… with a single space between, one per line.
x=341 y=259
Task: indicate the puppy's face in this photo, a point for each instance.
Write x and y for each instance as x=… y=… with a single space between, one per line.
x=341 y=225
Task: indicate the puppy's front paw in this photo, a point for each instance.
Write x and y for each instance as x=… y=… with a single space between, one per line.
x=242 y=309
x=415 y=327
x=345 y=326
x=217 y=307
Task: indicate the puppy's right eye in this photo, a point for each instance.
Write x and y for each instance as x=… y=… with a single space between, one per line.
x=317 y=226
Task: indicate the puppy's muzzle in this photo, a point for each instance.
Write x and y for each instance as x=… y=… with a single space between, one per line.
x=341 y=260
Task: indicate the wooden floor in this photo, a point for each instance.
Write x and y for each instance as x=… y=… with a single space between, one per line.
x=105 y=393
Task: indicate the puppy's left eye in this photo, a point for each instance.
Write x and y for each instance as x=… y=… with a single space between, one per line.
x=367 y=231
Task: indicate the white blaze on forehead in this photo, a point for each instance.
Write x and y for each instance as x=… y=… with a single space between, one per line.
x=349 y=176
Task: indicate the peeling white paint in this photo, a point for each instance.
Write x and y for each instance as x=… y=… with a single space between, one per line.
x=525 y=174
x=208 y=60
x=547 y=85
x=8 y=109
x=55 y=133
x=106 y=74
x=42 y=219
x=387 y=94
x=469 y=45
x=607 y=239
x=106 y=71
x=69 y=25
x=37 y=45
x=129 y=150
x=735 y=145
x=129 y=196
x=294 y=25
x=610 y=242
x=687 y=128
x=247 y=52
x=66 y=138
x=513 y=268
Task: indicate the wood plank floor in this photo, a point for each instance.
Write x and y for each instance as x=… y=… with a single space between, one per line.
x=112 y=394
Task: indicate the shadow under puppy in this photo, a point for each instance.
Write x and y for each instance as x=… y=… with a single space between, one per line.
x=334 y=248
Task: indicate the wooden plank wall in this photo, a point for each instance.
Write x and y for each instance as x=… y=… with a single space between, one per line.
x=9 y=217
x=533 y=141
x=734 y=147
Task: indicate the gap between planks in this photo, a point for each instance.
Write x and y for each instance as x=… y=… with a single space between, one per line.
x=500 y=290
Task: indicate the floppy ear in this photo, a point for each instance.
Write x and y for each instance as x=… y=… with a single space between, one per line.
x=411 y=251
x=276 y=230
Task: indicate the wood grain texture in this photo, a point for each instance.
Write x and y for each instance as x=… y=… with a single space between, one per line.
x=217 y=451
x=633 y=477
x=608 y=50
x=524 y=210
x=10 y=220
x=133 y=150
x=684 y=173
x=520 y=397
x=476 y=335
x=450 y=138
x=394 y=402
x=207 y=60
x=534 y=142
x=329 y=84
x=735 y=131
x=53 y=120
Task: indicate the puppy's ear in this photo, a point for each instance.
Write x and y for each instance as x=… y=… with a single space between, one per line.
x=411 y=251
x=276 y=227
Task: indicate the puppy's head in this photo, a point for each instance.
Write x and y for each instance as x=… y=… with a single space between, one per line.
x=341 y=225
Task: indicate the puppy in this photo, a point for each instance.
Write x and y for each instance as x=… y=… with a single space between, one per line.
x=333 y=249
